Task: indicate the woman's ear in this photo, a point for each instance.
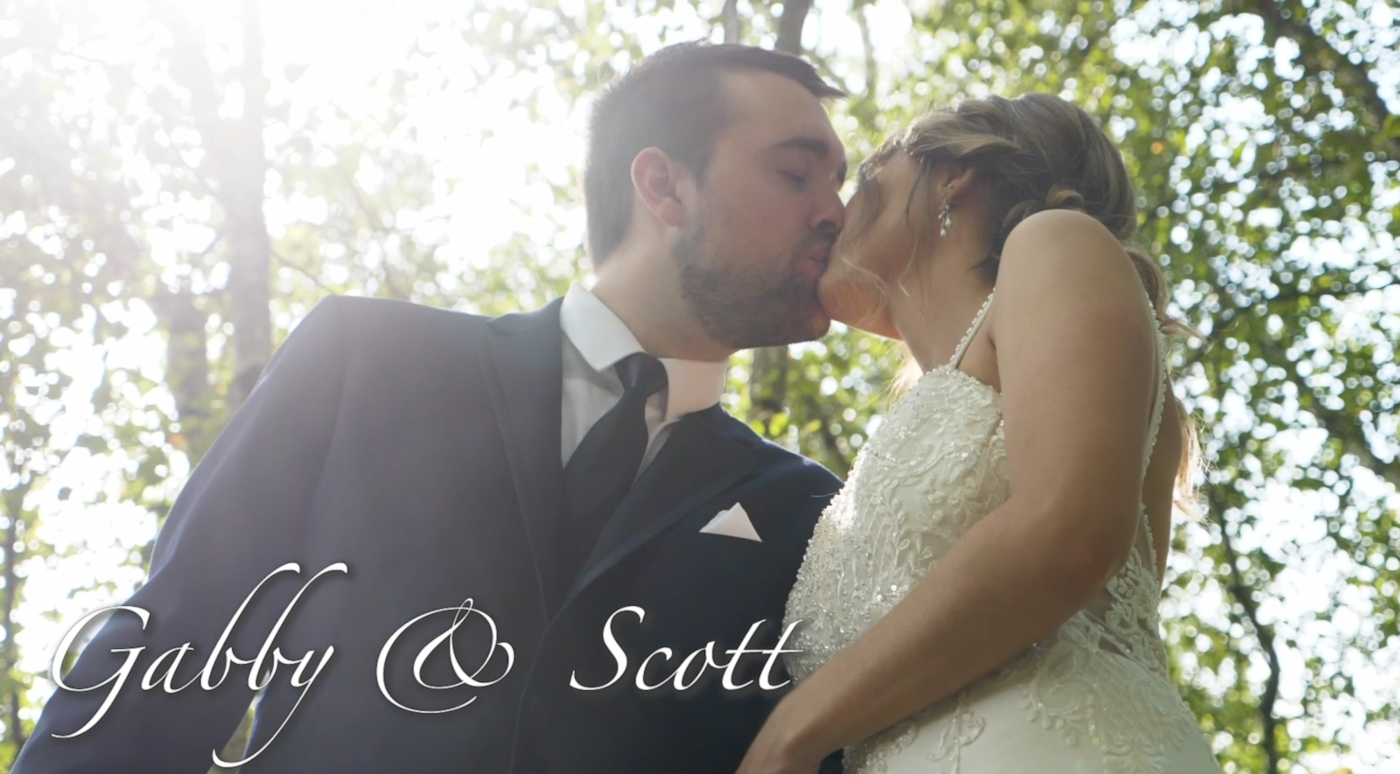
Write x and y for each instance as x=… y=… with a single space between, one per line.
x=656 y=178
x=961 y=182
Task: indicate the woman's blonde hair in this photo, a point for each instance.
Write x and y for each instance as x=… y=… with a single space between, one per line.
x=1036 y=152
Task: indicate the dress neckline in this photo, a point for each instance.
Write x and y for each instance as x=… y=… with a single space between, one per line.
x=971 y=331
x=952 y=365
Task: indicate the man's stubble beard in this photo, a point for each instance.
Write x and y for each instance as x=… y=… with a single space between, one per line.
x=737 y=310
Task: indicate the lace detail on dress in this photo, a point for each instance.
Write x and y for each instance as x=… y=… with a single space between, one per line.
x=934 y=467
x=1115 y=703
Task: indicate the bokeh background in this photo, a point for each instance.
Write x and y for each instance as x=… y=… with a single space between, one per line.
x=182 y=180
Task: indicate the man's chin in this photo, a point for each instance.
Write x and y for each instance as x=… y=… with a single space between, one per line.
x=821 y=325
x=809 y=325
x=818 y=320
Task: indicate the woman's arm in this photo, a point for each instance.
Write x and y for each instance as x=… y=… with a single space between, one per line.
x=1075 y=355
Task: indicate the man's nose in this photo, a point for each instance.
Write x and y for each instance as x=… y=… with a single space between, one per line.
x=831 y=215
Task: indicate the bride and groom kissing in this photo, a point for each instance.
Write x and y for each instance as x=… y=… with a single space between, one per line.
x=980 y=596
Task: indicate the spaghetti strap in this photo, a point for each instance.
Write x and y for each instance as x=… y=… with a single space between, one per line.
x=1159 y=352
x=971 y=332
x=1159 y=403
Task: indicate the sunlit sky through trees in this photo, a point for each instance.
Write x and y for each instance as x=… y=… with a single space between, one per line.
x=486 y=142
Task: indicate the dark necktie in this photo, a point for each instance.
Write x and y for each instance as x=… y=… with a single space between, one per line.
x=605 y=463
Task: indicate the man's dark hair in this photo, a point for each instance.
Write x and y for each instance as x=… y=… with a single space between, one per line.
x=672 y=100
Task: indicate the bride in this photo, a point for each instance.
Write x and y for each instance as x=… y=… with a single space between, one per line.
x=982 y=596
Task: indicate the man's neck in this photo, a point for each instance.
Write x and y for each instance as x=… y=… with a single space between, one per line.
x=650 y=304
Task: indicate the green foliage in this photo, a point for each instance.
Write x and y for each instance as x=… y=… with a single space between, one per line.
x=1263 y=136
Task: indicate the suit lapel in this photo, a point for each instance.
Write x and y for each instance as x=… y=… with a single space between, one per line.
x=697 y=462
x=524 y=362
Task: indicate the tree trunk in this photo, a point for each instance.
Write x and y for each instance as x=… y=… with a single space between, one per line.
x=769 y=375
x=187 y=371
x=1243 y=596
x=14 y=515
x=237 y=161
x=768 y=380
x=249 y=288
x=250 y=263
x=729 y=18
x=790 y=26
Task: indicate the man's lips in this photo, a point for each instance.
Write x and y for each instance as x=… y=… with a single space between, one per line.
x=821 y=255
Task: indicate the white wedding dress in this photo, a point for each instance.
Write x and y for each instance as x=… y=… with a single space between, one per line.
x=1094 y=697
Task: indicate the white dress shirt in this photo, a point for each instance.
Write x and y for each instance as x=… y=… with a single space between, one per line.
x=594 y=341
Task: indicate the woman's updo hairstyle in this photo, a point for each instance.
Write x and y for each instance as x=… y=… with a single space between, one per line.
x=1038 y=152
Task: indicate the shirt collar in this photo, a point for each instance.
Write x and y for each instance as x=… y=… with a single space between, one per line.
x=603 y=339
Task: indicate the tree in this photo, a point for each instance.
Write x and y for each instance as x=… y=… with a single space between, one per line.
x=164 y=163
x=135 y=164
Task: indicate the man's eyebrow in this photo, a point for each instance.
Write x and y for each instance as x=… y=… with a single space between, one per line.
x=814 y=145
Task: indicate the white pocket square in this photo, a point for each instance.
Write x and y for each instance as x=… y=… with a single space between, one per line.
x=733 y=522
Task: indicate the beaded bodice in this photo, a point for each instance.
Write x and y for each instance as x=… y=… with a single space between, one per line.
x=934 y=467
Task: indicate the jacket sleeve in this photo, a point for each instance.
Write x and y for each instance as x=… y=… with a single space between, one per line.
x=241 y=515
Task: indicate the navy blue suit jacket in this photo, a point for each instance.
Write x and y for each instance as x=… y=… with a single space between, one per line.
x=420 y=447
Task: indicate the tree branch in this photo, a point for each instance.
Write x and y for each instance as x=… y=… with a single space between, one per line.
x=1285 y=19
x=294 y=266
x=44 y=156
x=1337 y=424
x=1317 y=294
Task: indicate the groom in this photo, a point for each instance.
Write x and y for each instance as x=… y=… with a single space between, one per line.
x=527 y=544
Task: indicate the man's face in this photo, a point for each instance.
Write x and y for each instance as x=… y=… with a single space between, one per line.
x=759 y=236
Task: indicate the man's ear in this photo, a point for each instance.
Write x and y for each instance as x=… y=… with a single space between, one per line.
x=657 y=178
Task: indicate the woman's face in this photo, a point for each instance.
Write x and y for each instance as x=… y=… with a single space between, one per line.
x=876 y=246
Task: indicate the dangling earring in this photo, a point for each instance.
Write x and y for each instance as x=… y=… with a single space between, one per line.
x=945 y=218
